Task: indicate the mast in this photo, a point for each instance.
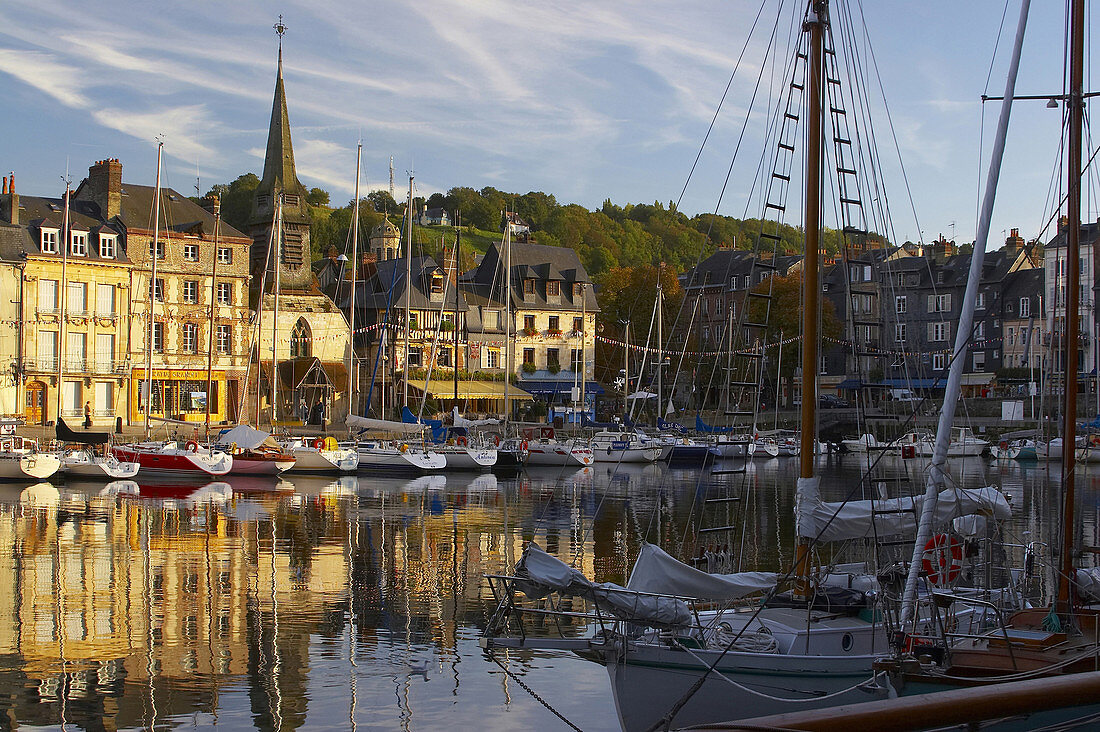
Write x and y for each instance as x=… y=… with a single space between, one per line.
x=965 y=325
x=626 y=369
x=152 y=295
x=508 y=329
x=278 y=237
x=458 y=246
x=660 y=346
x=816 y=18
x=584 y=354
x=213 y=312
x=66 y=235
x=354 y=263
x=1076 y=103
x=408 y=287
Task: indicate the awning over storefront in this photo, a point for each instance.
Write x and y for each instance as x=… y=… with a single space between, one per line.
x=914 y=383
x=444 y=389
x=311 y=371
x=558 y=387
x=850 y=384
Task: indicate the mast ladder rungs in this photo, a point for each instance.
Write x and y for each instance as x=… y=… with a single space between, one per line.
x=895 y=512
x=837 y=110
x=842 y=141
x=764 y=295
x=889 y=479
x=765 y=264
x=785 y=146
x=719 y=528
x=875 y=323
x=754 y=325
x=855 y=230
x=727 y=472
x=832 y=80
x=780 y=176
x=796 y=85
x=830 y=52
x=730 y=499
x=801 y=56
x=740 y=413
x=791 y=116
x=846 y=171
x=896 y=542
x=749 y=354
x=770 y=237
x=776 y=206
x=744 y=384
x=851 y=201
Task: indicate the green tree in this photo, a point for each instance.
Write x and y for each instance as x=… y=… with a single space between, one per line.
x=317 y=197
x=236 y=198
x=382 y=202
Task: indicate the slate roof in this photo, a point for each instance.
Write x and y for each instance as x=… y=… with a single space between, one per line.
x=530 y=261
x=36 y=212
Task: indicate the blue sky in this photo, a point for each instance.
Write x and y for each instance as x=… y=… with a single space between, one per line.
x=586 y=100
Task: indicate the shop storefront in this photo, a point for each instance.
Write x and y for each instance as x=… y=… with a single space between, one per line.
x=181 y=394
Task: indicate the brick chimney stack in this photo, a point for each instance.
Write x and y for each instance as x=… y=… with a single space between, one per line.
x=1014 y=243
x=105 y=187
x=9 y=202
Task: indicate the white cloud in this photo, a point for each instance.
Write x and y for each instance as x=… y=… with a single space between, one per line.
x=47 y=74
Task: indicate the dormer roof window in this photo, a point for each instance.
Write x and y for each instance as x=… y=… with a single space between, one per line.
x=78 y=243
x=48 y=241
x=528 y=288
x=108 y=245
x=553 y=288
x=437 y=285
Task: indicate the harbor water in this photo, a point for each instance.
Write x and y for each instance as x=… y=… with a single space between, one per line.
x=356 y=603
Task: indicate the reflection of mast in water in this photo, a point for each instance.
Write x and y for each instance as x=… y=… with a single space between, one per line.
x=352 y=543
x=150 y=666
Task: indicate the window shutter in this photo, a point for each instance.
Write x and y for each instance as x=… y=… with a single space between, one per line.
x=931 y=332
x=931 y=304
x=947 y=298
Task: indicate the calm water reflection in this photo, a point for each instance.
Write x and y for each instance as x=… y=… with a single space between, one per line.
x=357 y=603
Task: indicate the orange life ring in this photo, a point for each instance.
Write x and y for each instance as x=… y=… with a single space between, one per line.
x=523 y=446
x=461 y=441
x=192 y=446
x=942 y=559
x=496 y=440
x=1003 y=444
x=319 y=443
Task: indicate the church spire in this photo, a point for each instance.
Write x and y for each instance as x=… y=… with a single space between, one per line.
x=279 y=173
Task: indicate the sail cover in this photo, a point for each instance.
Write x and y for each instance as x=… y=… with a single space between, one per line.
x=460 y=421
x=245 y=437
x=384 y=425
x=543 y=574
x=658 y=572
x=840 y=520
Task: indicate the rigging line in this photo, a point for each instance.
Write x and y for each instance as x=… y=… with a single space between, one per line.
x=721 y=101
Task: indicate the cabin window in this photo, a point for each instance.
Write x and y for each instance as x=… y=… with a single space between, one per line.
x=300 y=340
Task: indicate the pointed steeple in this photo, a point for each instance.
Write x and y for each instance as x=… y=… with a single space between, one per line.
x=279 y=174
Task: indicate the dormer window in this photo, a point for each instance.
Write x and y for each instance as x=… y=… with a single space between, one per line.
x=49 y=240
x=553 y=288
x=528 y=287
x=578 y=289
x=437 y=284
x=108 y=244
x=78 y=243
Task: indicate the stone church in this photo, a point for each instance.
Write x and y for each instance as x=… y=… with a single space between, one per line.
x=300 y=329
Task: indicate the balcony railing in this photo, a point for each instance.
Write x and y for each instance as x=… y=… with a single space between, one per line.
x=78 y=412
x=47 y=364
x=106 y=315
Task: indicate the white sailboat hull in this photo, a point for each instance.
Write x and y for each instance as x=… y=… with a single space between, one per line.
x=376 y=456
x=627 y=455
x=558 y=454
x=33 y=466
x=309 y=459
x=98 y=468
x=470 y=458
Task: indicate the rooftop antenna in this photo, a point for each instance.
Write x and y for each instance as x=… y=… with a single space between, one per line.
x=391 y=178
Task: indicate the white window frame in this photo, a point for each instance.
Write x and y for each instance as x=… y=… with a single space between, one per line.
x=978 y=361
x=939 y=361
x=160 y=250
x=190 y=252
x=48 y=240
x=1025 y=307
x=225 y=293
x=901 y=305
x=108 y=245
x=899 y=332
x=225 y=255
x=158 y=337
x=191 y=292
x=223 y=339
x=979 y=330
x=979 y=301
x=78 y=243
x=190 y=337
x=939 y=332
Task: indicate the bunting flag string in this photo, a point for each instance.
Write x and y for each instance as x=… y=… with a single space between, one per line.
x=868 y=349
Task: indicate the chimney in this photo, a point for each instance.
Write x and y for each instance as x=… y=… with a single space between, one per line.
x=1014 y=243
x=105 y=187
x=212 y=205
x=9 y=202
x=1063 y=223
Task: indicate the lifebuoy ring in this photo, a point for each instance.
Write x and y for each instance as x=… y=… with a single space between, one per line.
x=1003 y=444
x=403 y=449
x=319 y=443
x=523 y=446
x=496 y=440
x=942 y=559
x=461 y=441
x=192 y=446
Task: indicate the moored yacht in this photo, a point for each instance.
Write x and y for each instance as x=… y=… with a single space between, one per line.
x=320 y=455
x=175 y=459
x=623 y=447
x=20 y=459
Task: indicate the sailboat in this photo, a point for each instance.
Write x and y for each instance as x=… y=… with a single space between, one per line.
x=181 y=459
x=1060 y=638
x=673 y=663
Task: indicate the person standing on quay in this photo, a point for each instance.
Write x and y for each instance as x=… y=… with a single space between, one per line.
x=87 y=415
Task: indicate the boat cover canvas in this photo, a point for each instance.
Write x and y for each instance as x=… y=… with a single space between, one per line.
x=701 y=426
x=544 y=574
x=384 y=425
x=245 y=437
x=1088 y=584
x=658 y=572
x=840 y=520
x=460 y=421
